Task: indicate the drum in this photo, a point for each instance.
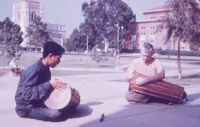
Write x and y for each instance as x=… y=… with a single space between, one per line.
x=63 y=99
x=162 y=89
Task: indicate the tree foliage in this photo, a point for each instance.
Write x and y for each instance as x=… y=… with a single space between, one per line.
x=76 y=42
x=37 y=32
x=103 y=18
x=183 y=24
x=10 y=38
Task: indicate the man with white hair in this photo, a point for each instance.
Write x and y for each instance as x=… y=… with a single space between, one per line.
x=148 y=66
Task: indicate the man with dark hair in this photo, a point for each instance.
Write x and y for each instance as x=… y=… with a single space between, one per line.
x=35 y=85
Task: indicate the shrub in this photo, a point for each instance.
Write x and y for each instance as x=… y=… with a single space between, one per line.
x=175 y=52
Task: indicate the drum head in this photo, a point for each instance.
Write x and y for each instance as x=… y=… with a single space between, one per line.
x=59 y=98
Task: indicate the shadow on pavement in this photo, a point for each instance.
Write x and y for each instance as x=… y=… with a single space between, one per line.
x=193 y=96
x=84 y=110
x=150 y=115
x=81 y=111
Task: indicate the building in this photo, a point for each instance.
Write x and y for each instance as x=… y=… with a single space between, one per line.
x=147 y=30
x=57 y=32
x=23 y=13
x=130 y=43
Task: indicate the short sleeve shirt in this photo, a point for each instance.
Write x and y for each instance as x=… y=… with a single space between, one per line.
x=13 y=64
x=138 y=65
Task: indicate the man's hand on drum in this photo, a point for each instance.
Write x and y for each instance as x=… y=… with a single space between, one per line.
x=140 y=81
x=55 y=83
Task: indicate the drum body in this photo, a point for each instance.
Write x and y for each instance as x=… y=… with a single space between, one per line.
x=161 y=89
x=63 y=99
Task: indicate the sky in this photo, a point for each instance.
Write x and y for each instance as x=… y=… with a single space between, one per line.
x=68 y=12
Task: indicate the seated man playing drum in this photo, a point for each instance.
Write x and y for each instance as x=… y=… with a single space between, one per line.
x=35 y=85
x=148 y=66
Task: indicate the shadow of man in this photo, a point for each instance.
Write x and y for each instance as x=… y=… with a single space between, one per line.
x=81 y=111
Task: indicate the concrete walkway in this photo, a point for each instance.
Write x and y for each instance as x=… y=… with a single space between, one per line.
x=103 y=93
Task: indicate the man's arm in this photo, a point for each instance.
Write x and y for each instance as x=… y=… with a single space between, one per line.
x=33 y=91
x=154 y=78
x=158 y=75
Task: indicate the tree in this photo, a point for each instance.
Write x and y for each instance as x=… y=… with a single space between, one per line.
x=10 y=38
x=103 y=18
x=37 y=32
x=183 y=24
x=76 y=41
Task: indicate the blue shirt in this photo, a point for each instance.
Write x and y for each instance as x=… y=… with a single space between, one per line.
x=34 y=86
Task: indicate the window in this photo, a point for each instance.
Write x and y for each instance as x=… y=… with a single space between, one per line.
x=134 y=31
x=153 y=17
x=162 y=17
x=152 y=30
x=18 y=17
x=142 y=31
x=182 y=46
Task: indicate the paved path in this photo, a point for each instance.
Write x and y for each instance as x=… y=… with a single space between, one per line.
x=103 y=93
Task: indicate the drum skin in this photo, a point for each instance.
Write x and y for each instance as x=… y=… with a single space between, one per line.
x=63 y=99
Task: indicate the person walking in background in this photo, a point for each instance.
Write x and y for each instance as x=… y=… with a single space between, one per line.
x=16 y=71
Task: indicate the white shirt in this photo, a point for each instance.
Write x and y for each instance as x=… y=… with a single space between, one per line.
x=138 y=65
x=13 y=64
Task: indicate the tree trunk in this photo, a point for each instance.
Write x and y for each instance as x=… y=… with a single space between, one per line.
x=179 y=61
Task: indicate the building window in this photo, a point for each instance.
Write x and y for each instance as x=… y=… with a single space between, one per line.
x=171 y=45
x=162 y=17
x=18 y=17
x=134 y=31
x=152 y=30
x=153 y=17
x=182 y=46
x=31 y=16
x=142 y=31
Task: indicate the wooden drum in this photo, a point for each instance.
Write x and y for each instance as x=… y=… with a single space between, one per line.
x=161 y=89
x=63 y=99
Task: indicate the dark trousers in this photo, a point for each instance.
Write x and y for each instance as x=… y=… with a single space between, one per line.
x=41 y=113
x=137 y=97
x=142 y=98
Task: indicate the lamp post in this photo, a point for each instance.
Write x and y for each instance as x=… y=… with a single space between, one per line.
x=86 y=51
x=87 y=43
x=118 y=39
x=117 y=51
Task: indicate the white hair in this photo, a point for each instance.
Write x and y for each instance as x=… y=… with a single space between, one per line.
x=148 y=48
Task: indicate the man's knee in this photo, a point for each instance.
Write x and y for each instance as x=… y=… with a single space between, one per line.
x=22 y=113
x=55 y=115
x=136 y=97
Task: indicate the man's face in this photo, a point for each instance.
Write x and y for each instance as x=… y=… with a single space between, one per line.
x=147 y=57
x=54 y=60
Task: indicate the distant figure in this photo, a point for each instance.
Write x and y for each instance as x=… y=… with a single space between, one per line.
x=16 y=71
x=35 y=85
